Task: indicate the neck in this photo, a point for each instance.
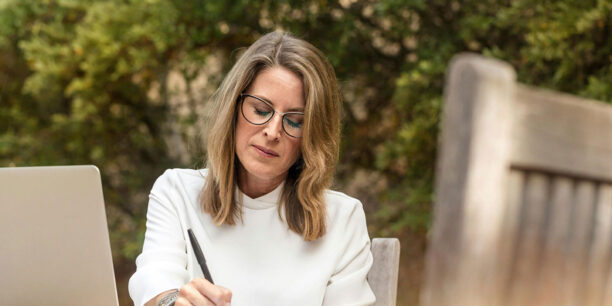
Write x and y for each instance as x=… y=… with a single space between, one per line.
x=255 y=187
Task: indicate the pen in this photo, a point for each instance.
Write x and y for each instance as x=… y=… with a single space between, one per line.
x=199 y=255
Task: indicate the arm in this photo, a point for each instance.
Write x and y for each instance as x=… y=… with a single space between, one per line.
x=197 y=292
x=155 y=300
x=348 y=285
x=161 y=265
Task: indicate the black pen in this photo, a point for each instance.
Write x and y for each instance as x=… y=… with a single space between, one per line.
x=199 y=255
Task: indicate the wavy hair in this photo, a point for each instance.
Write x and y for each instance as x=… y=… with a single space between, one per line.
x=303 y=194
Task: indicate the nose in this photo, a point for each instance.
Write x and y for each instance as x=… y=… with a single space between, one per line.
x=274 y=127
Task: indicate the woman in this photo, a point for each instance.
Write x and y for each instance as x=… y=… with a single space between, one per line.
x=271 y=232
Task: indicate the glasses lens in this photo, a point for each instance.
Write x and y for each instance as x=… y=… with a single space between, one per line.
x=292 y=123
x=255 y=111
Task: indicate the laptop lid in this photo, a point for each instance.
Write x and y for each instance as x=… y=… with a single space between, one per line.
x=54 y=243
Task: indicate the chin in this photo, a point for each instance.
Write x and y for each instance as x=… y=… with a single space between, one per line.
x=268 y=175
x=264 y=172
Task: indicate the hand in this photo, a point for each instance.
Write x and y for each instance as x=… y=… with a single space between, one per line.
x=200 y=292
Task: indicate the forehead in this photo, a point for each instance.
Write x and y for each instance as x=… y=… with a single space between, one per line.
x=281 y=87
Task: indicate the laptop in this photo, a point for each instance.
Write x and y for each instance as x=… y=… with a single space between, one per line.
x=54 y=243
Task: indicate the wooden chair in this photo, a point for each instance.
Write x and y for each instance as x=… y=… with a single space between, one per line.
x=523 y=210
x=383 y=274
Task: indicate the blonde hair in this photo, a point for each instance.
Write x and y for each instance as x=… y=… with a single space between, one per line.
x=303 y=193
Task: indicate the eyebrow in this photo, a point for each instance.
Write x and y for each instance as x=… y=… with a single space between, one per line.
x=294 y=109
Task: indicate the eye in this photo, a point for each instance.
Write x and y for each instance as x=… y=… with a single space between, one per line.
x=261 y=112
x=293 y=124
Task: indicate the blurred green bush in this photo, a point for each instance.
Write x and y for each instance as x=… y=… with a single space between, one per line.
x=123 y=84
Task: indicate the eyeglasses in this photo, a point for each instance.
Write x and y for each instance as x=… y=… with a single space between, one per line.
x=259 y=112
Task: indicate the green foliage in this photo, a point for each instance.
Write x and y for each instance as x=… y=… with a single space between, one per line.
x=85 y=81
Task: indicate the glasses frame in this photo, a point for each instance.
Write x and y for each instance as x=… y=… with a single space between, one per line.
x=274 y=112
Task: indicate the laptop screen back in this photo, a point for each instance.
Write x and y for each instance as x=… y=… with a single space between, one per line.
x=54 y=243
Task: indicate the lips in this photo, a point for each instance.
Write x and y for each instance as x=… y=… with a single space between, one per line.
x=266 y=152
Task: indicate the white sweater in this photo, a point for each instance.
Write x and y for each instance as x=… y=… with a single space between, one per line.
x=260 y=260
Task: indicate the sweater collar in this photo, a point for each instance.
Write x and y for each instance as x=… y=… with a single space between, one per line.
x=267 y=200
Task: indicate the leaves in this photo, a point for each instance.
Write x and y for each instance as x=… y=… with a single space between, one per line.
x=123 y=84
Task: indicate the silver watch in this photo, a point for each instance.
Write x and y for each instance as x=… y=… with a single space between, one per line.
x=168 y=299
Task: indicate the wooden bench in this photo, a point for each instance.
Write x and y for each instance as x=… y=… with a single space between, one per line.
x=523 y=209
x=383 y=274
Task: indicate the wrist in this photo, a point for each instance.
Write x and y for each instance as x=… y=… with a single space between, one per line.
x=168 y=299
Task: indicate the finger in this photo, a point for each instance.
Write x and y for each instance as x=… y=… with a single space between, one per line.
x=216 y=294
x=182 y=301
x=227 y=293
x=193 y=295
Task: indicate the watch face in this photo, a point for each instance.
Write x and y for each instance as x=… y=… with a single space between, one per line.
x=168 y=299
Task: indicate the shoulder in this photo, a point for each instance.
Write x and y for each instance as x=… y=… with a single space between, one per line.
x=343 y=207
x=179 y=175
x=180 y=178
x=346 y=220
x=336 y=200
x=176 y=189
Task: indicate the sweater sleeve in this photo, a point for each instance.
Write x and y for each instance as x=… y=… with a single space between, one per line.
x=348 y=285
x=162 y=264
